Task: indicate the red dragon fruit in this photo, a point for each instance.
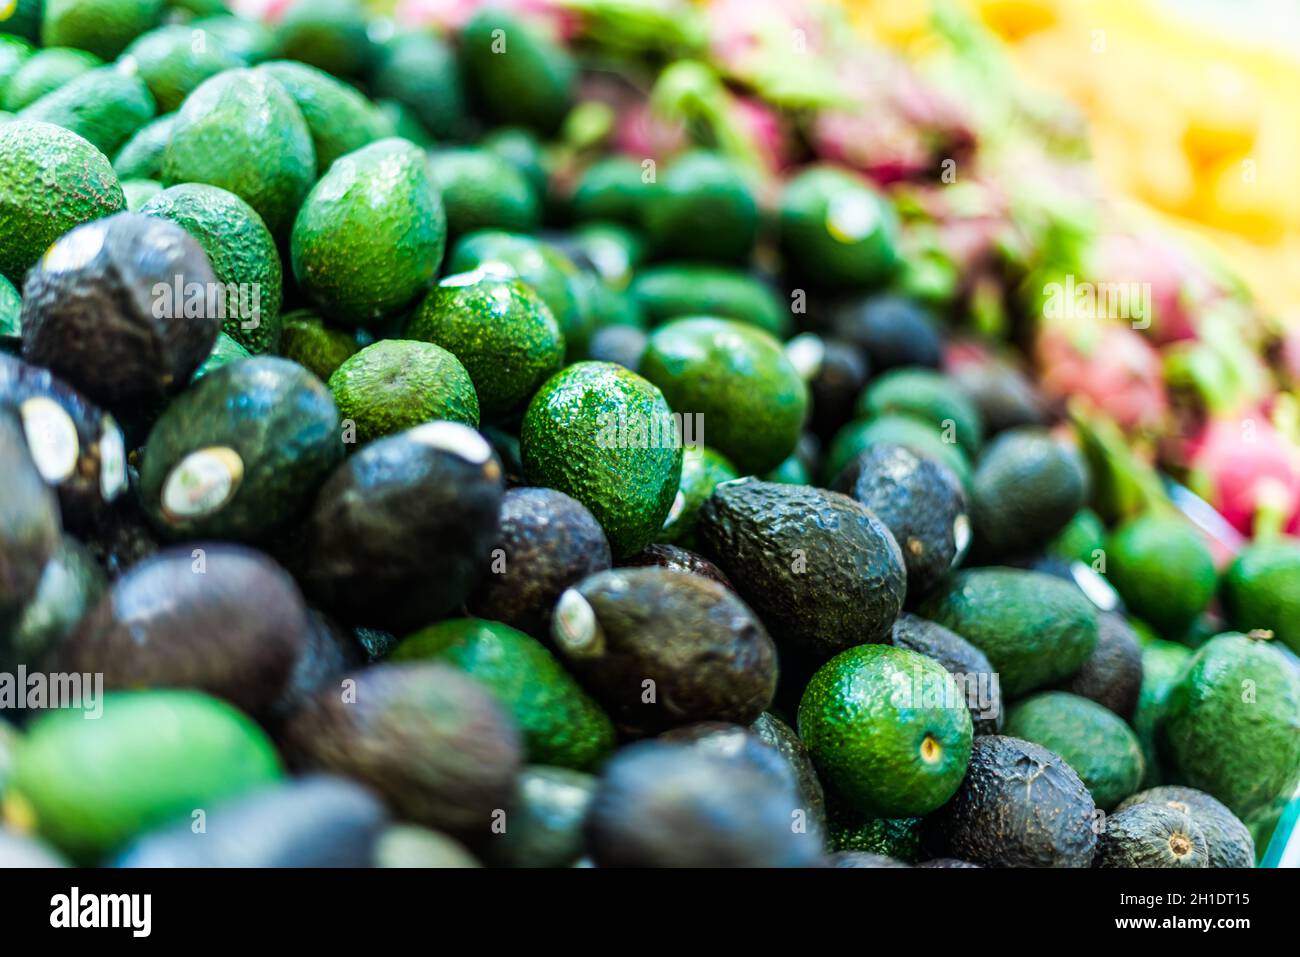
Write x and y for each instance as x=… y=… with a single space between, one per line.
x=1247 y=469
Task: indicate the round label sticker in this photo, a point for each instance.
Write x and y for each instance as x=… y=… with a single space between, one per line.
x=75 y=249
x=960 y=537
x=455 y=438
x=806 y=353
x=51 y=437
x=851 y=217
x=575 y=623
x=201 y=483
x=112 y=460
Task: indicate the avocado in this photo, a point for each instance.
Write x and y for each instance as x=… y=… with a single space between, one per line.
x=419 y=70
x=250 y=40
x=139 y=191
x=703 y=469
x=329 y=651
x=551 y=273
x=499 y=328
x=545 y=542
x=429 y=740
x=522 y=149
x=105 y=106
x=820 y=569
x=837 y=232
x=141 y=156
x=22 y=18
x=306 y=340
x=738 y=379
x=327 y=34
x=1019 y=806
x=778 y=735
x=1151 y=835
x=908 y=432
x=338 y=117
x=1027 y=486
x=606 y=436
x=119 y=307
x=51 y=180
x=11 y=325
x=77 y=447
x=544 y=822
x=791 y=471
x=1082 y=540
x=173 y=60
x=978 y=683
x=922 y=504
x=624 y=345
x=850 y=832
x=1035 y=629
x=1227 y=840
x=664 y=804
x=370 y=235
x=892 y=330
x=862 y=859
x=70 y=585
x=409 y=846
x=1162 y=665
x=29 y=522
x=155 y=627
x=613 y=189
x=44 y=72
x=1261 y=589
x=947 y=862
x=1163 y=569
x=14 y=52
x=1003 y=393
x=242 y=131
x=1112 y=674
x=661 y=648
x=224 y=351
x=242 y=253
x=884 y=753
x=516 y=75
x=400 y=533
x=677 y=559
x=1231 y=724
x=241 y=452
x=929 y=396
x=480 y=190
x=673 y=290
x=702 y=208
x=314 y=821
x=395 y=384
x=836 y=371
x=611 y=251
x=1094 y=741
x=560 y=724
x=89 y=786
x=104 y=27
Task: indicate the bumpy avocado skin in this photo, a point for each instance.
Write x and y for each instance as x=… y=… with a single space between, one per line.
x=821 y=571
x=547 y=542
x=775 y=733
x=370 y=235
x=708 y=656
x=1112 y=675
x=306 y=340
x=1226 y=837
x=242 y=252
x=981 y=685
x=677 y=559
x=1035 y=629
x=1020 y=806
x=1151 y=835
x=1095 y=742
x=277 y=417
x=241 y=131
x=703 y=470
x=428 y=739
x=1242 y=747
x=840 y=465
x=849 y=830
x=104 y=106
x=51 y=180
x=400 y=533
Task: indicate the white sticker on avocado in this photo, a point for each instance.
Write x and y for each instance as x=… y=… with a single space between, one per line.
x=1099 y=591
x=806 y=353
x=960 y=537
x=201 y=483
x=674 y=513
x=112 y=460
x=455 y=438
x=851 y=217
x=51 y=437
x=75 y=249
x=492 y=270
x=574 y=627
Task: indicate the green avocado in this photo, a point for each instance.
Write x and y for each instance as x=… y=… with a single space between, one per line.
x=51 y=180
x=141 y=156
x=139 y=191
x=1261 y=590
x=306 y=340
x=370 y=236
x=921 y=438
x=11 y=305
x=501 y=330
x=1151 y=835
x=522 y=149
x=560 y=724
x=1036 y=629
x=702 y=208
x=329 y=35
x=104 y=106
x=173 y=60
x=44 y=72
x=1162 y=666
x=89 y=786
x=242 y=131
x=14 y=52
x=929 y=396
x=979 y=684
x=339 y=118
x=606 y=436
x=1082 y=540
x=1094 y=741
x=1163 y=569
x=820 y=569
x=516 y=75
x=243 y=255
x=887 y=753
x=613 y=189
x=480 y=190
x=225 y=351
x=104 y=27
x=837 y=231
x=739 y=382
x=673 y=290
x=703 y=470
x=896 y=838
x=250 y=40
x=419 y=71
x=240 y=453
x=22 y=18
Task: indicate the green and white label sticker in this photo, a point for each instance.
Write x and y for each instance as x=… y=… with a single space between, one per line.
x=455 y=438
x=51 y=437
x=201 y=483
x=112 y=460
x=574 y=627
x=960 y=537
x=851 y=217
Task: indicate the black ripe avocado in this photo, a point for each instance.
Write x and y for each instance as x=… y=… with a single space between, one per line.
x=819 y=568
x=29 y=521
x=1020 y=806
x=1151 y=835
x=109 y=308
x=400 y=533
x=979 y=681
x=706 y=654
x=677 y=559
x=1112 y=675
x=1228 y=840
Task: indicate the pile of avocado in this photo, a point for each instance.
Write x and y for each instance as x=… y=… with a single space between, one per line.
x=431 y=485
